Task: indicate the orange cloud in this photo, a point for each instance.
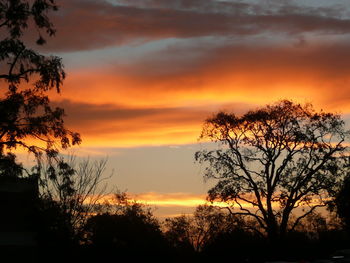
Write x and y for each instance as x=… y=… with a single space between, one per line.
x=247 y=74
x=112 y=125
x=161 y=100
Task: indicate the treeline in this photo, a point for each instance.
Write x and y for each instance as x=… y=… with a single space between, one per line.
x=127 y=230
x=74 y=216
x=130 y=231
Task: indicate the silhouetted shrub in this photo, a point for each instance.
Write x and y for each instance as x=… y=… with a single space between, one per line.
x=132 y=233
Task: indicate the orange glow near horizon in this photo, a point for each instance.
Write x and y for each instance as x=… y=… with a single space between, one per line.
x=165 y=200
x=163 y=203
x=178 y=199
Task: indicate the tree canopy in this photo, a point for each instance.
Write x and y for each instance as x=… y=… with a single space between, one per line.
x=273 y=160
x=27 y=119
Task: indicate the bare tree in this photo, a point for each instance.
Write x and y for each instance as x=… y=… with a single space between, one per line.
x=77 y=187
x=273 y=160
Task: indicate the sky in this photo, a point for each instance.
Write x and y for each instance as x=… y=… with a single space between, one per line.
x=143 y=75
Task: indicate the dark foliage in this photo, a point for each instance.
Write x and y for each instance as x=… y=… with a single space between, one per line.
x=54 y=228
x=27 y=119
x=9 y=166
x=238 y=245
x=132 y=233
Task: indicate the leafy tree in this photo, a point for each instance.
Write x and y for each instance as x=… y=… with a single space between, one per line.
x=272 y=160
x=27 y=119
x=53 y=227
x=9 y=166
x=131 y=230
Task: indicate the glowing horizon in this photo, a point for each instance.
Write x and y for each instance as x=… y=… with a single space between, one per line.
x=177 y=201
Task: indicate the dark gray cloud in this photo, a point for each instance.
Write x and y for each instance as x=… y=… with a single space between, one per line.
x=321 y=60
x=88 y=24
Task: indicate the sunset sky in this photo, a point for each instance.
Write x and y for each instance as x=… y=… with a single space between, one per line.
x=143 y=75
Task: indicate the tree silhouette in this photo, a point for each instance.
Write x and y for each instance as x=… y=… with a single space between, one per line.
x=27 y=119
x=75 y=188
x=131 y=231
x=273 y=160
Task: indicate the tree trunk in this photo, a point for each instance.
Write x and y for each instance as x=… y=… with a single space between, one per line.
x=273 y=232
